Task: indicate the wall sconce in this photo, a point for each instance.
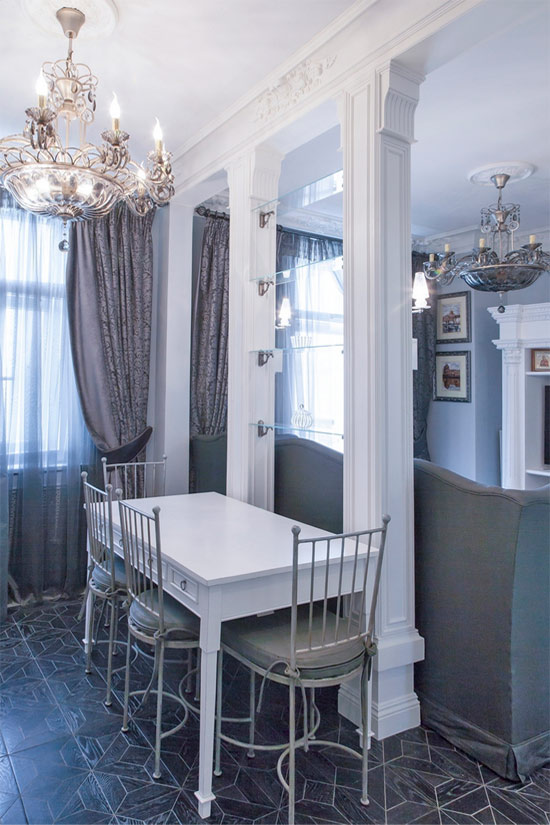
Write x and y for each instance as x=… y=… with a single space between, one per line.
x=420 y=292
x=285 y=314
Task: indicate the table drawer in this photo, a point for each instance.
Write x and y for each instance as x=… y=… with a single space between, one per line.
x=185 y=585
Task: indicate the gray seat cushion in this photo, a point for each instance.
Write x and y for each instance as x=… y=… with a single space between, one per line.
x=102 y=580
x=176 y=616
x=263 y=640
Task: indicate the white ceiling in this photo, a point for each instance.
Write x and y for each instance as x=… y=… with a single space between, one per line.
x=183 y=62
x=490 y=104
x=186 y=63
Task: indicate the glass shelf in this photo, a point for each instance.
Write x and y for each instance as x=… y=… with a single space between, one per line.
x=315 y=207
x=290 y=428
x=300 y=348
x=289 y=276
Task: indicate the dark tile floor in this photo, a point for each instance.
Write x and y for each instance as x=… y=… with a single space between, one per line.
x=63 y=758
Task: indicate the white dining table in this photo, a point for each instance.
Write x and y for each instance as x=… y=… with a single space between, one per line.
x=223 y=559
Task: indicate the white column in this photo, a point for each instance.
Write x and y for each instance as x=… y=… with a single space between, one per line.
x=253 y=180
x=172 y=347
x=513 y=416
x=377 y=130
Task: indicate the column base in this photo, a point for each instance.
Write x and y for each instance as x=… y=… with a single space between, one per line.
x=388 y=717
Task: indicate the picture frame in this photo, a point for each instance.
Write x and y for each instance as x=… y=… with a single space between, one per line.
x=540 y=360
x=453 y=376
x=454 y=318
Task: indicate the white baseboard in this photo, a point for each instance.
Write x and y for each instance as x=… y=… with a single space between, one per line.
x=388 y=718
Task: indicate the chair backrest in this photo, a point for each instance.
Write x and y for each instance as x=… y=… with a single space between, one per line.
x=136 y=479
x=99 y=510
x=142 y=557
x=337 y=567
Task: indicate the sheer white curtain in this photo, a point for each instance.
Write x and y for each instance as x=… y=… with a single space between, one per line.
x=313 y=369
x=45 y=438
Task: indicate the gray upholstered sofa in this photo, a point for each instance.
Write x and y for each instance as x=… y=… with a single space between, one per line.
x=308 y=477
x=483 y=608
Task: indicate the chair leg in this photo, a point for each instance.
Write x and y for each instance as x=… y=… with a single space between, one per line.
x=219 y=703
x=189 y=668
x=250 y=752
x=115 y=646
x=311 y=712
x=158 y=732
x=90 y=633
x=112 y=629
x=365 y=734
x=198 y=677
x=127 y=683
x=291 y=751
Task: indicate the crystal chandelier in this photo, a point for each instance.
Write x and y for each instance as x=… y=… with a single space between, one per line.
x=48 y=175
x=497 y=268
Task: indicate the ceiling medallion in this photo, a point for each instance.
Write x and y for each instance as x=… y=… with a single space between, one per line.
x=515 y=169
x=497 y=268
x=49 y=175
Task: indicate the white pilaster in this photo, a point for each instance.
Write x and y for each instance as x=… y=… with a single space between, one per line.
x=253 y=180
x=522 y=327
x=173 y=348
x=513 y=417
x=377 y=130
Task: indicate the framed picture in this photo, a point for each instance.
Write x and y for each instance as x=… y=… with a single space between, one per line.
x=452 y=376
x=540 y=360
x=453 y=318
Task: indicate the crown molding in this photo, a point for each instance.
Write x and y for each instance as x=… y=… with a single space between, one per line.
x=237 y=130
x=274 y=78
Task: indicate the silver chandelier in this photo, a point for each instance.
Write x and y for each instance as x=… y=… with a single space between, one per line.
x=48 y=175
x=497 y=268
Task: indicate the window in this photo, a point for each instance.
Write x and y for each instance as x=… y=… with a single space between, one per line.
x=38 y=387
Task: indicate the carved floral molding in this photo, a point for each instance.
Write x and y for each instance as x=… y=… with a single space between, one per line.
x=292 y=87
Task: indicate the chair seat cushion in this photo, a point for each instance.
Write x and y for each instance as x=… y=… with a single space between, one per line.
x=176 y=617
x=101 y=579
x=263 y=640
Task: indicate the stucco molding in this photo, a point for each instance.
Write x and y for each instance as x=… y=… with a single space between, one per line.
x=292 y=87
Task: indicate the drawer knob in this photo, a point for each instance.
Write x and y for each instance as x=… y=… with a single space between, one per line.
x=183 y=584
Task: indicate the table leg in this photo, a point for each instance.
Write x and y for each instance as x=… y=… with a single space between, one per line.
x=210 y=644
x=209 y=663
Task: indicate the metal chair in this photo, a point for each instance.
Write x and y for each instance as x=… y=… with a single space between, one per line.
x=311 y=645
x=136 y=479
x=106 y=574
x=154 y=617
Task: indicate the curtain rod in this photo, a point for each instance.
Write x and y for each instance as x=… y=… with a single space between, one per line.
x=208 y=213
x=308 y=234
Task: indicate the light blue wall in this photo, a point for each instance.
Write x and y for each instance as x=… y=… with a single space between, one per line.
x=465 y=437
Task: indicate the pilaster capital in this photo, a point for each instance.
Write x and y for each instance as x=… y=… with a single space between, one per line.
x=262 y=167
x=397 y=92
x=512 y=355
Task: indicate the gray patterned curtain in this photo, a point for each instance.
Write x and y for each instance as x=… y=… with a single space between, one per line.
x=210 y=332
x=109 y=296
x=424 y=330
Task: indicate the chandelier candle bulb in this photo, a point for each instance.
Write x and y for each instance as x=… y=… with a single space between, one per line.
x=532 y=238
x=42 y=91
x=157 y=135
x=114 y=111
x=447 y=248
x=432 y=257
x=482 y=243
